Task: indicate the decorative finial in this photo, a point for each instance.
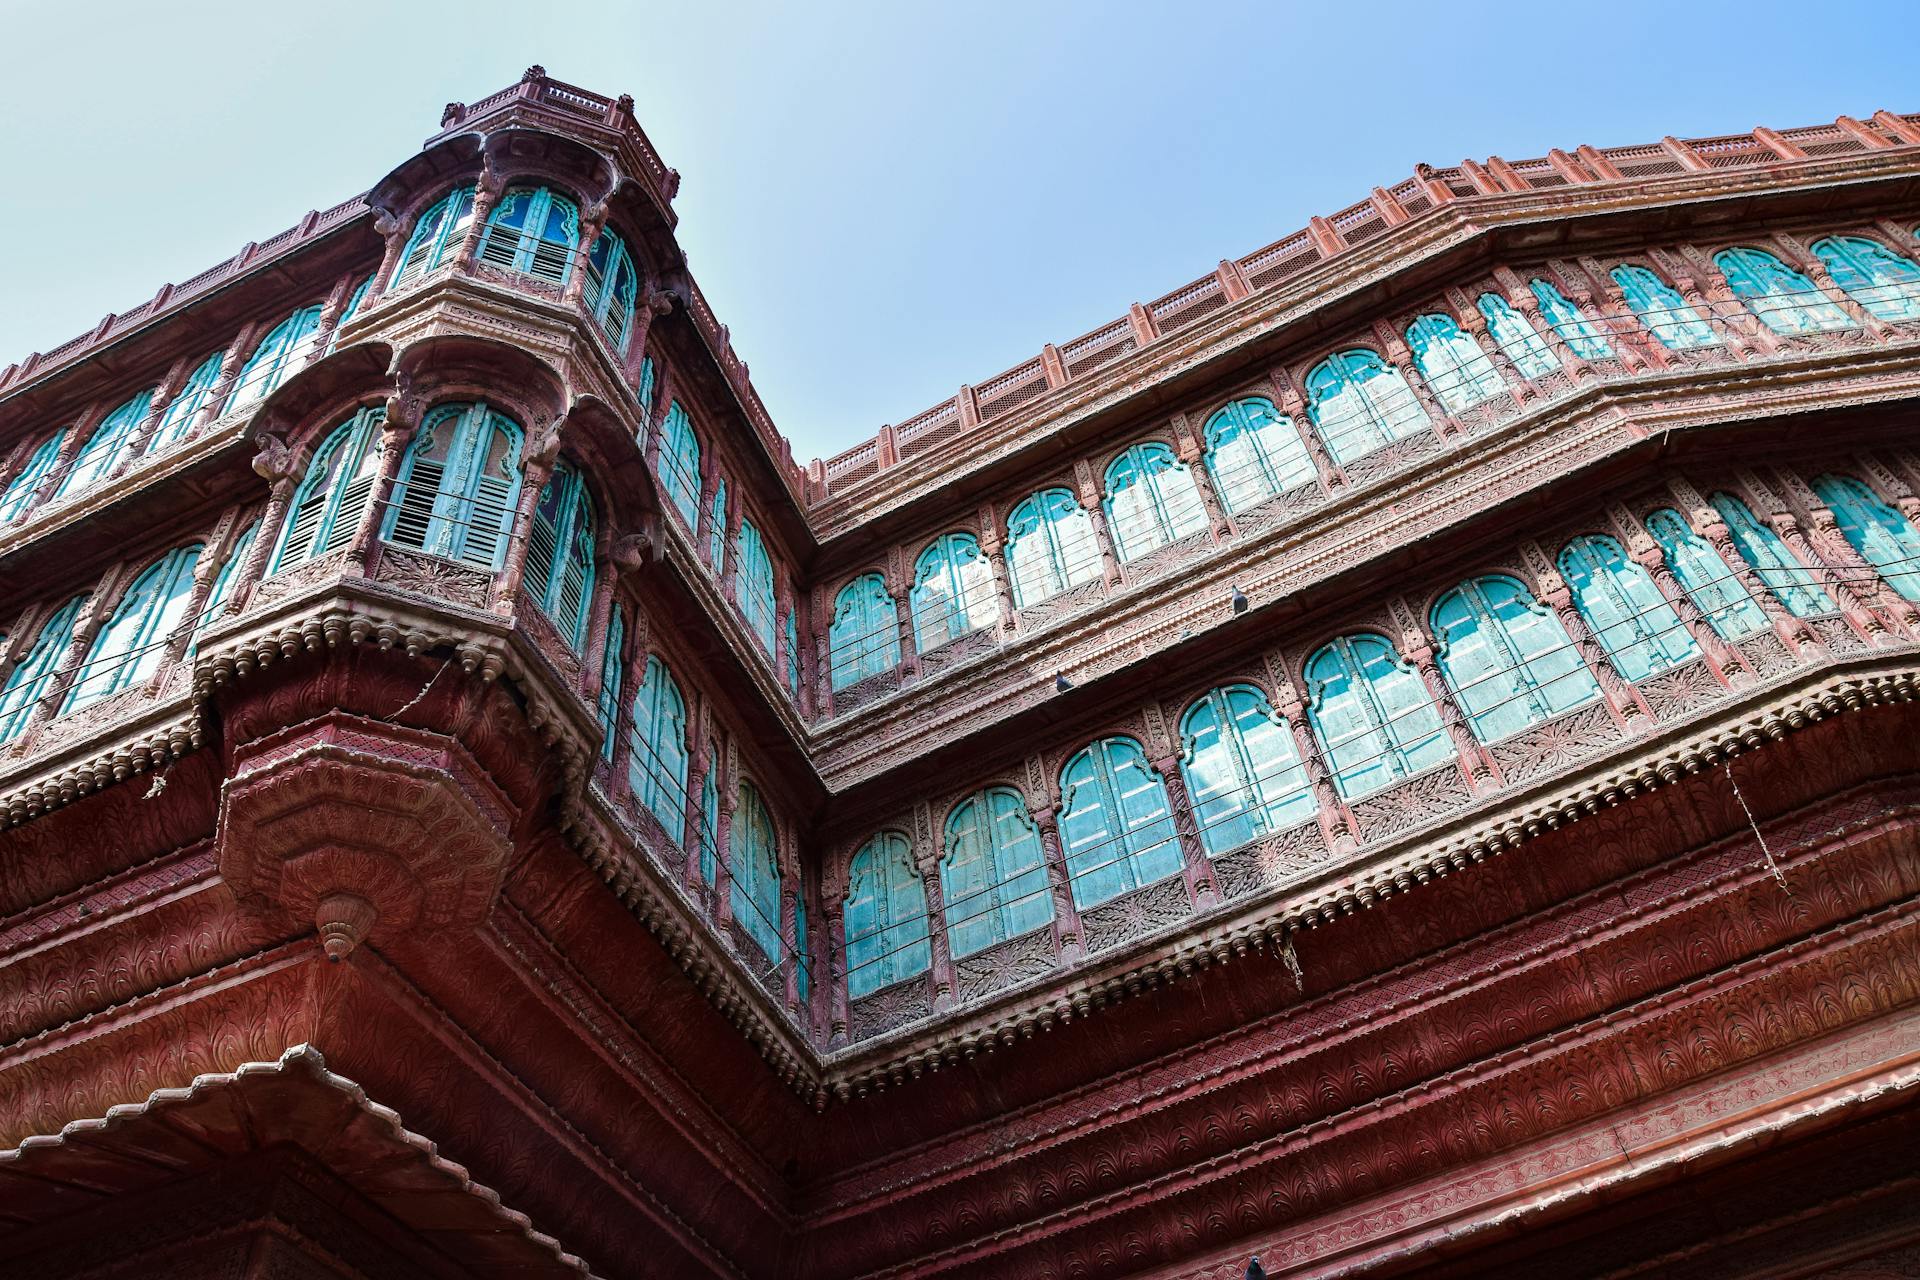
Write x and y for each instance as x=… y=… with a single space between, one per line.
x=532 y=73
x=453 y=113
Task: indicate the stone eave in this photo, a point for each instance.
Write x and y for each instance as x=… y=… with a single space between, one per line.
x=1182 y=363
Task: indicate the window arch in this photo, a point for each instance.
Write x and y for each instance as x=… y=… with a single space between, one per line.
x=1713 y=587
x=1361 y=403
x=1792 y=582
x=1050 y=547
x=613 y=665
x=717 y=530
x=534 y=231
x=679 y=463
x=327 y=506
x=864 y=637
x=111 y=441
x=1662 y=310
x=1517 y=337
x=180 y=412
x=1876 y=530
x=1115 y=821
x=953 y=592
x=756 y=586
x=128 y=649
x=457 y=486
x=1509 y=660
x=755 y=894
x=27 y=682
x=18 y=494
x=994 y=877
x=1151 y=501
x=1254 y=452
x=436 y=238
x=1632 y=620
x=1243 y=775
x=1786 y=301
x=560 y=559
x=280 y=353
x=1452 y=362
x=224 y=583
x=613 y=283
x=657 y=764
x=1372 y=714
x=1582 y=334
x=886 y=916
x=1886 y=283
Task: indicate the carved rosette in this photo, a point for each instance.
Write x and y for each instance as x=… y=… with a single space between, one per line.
x=368 y=830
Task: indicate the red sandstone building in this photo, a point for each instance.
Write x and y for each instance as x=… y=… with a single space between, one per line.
x=1394 y=757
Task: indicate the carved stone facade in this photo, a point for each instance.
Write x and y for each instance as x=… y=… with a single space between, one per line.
x=401 y=909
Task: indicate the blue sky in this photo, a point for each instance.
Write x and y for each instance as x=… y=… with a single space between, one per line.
x=883 y=201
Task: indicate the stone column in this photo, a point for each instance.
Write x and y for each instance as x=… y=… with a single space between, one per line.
x=1194 y=457
x=1474 y=757
x=939 y=947
x=836 y=976
x=1640 y=347
x=699 y=761
x=1521 y=299
x=1862 y=618
x=536 y=470
x=591 y=221
x=273 y=463
x=1394 y=347
x=1289 y=402
x=1070 y=940
x=394 y=233
x=1196 y=868
x=1728 y=308
x=486 y=193
x=1523 y=389
x=330 y=318
x=902 y=596
x=1089 y=494
x=1792 y=630
x=396 y=433
x=1336 y=820
x=232 y=361
x=995 y=549
x=721 y=906
x=163 y=395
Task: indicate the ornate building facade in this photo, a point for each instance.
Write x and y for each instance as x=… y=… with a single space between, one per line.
x=1395 y=757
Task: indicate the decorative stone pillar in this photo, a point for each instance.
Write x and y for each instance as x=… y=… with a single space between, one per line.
x=274 y=463
x=536 y=470
x=393 y=232
x=1416 y=648
x=396 y=433
x=1722 y=659
x=1400 y=356
x=1686 y=279
x=1523 y=389
x=1580 y=293
x=1193 y=456
x=163 y=395
x=1640 y=346
x=1289 y=402
x=1727 y=307
x=1862 y=618
x=939 y=947
x=995 y=549
x=63 y=459
x=1833 y=547
x=699 y=761
x=591 y=222
x=486 y=191
x=1089 y=494
x=232 y=361
x=836 y=976
x=1196 y=868
x=722 y=904
x=1622 y=699
x=789 y=924
x=1336 y=820
x=1792 y=630
x=1521 y=299
x=330 y=312
x=1068 y=936
x=899 y=589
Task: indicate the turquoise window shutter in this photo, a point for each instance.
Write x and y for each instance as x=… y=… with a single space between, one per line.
x=953 y=593
x=560 y=558
x=1662 y=310
x=1050 y=547
x=1115 y=822
x=1254 y=452
x=1582 y=334
x=755 y=896
x=709 y=827
x=717 y=530
x=886 y=916
x=1359 y=403
x=1789 y=580
x=20 y=489
x=657 y=763
x=864 y=637
x=1452 y=362
x=179 y=414
x=1243 y=775
x=612 y=667
x=1880 y=534
x=1372 y=714
x=1151 y=501
x=326 y=507
x=994 y=876
x=679 y=462
x=1507 y=658
x=1624 y=608
x=1884 y=282
x=611 y=288
x=436 y=238
x=128 y=649
x=280 y=354
x=27 y=683
x=533 y=231
x=1516 y=335
x=757 y=589
x=1707 y=579
x=1786 y=301
x=224 y=583
x=110 y=442
x=458 y=485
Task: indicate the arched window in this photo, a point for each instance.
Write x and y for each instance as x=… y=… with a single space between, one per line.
x=952 y=592
x=1879 y=533
x=755 y=895
x=994 y=877
x=27 y=682
x=709 y=826
x=1452 y=362
x=1633 y=621
x=657 y=763
x=756 y=585
x=281 y=353
x=1115 y=822
x=355 y=300
x=19 y=491
x=457 y=486
x=1714 y=588
x=533 y=230
x=1583 y=336
x=1882 y=281
x=613 y=664
x=1151 y=501
x=1050 y=547
x=717 y=530
x=436 y=238
x=1254 y=452
x=1786 y=301
x=1508 y=659
x=1243 y=774
x=128 y=649
x=183 y=408
x=886 y=916
x=223 y=583
x=560 y=560
x=680 y=464
x=1662 y=310
x=1515 y=333
x=327 y=506
x=864 y=638
x=1372 y=714
x=103 y=450
x=612 y=286
x=1792 y=582
x=1361 y=403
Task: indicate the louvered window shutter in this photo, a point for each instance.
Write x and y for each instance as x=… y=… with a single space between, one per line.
x=27 y=682
x=224 y=583
x=19 y=490
x=966 y=882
